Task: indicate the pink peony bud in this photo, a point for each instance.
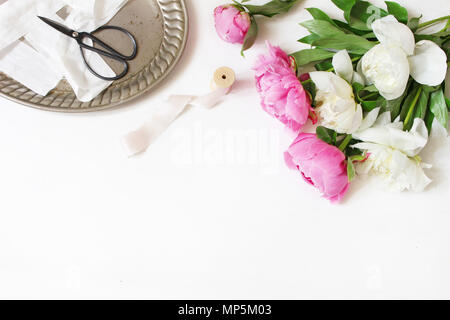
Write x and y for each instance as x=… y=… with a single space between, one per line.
x=282 y=94
x=305 y=77
x=231 y=24
x=320 y=164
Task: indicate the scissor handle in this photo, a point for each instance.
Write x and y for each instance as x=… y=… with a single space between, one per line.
x=103 y=53
x=108 y=51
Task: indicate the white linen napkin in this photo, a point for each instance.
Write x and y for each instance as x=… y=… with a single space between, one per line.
x=39 y=77
x=64 y=54
x=18 y=18
x=90 y=16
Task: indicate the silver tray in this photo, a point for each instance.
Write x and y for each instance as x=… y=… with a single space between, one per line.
x=160 y=28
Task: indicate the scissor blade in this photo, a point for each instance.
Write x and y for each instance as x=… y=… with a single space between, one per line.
x=58 y=26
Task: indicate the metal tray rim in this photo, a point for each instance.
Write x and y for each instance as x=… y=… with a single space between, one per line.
x=121 y=101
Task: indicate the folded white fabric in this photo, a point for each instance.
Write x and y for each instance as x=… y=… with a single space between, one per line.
x=89 y=15
x=39 y=77
x=64 y=54
x=18 y=18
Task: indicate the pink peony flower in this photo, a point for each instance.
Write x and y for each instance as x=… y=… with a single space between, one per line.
x=282 y=94
x=320 y=164
x=231 y=24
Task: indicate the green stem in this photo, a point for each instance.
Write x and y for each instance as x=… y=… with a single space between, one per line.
x=446 y=26
x=345 y=143
x=412 y=107
x=429 y=23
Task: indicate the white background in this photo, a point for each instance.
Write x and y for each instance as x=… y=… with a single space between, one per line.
x=78 y=219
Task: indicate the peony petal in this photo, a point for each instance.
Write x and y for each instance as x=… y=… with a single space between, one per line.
x=389 y=31
x=410 y=143
x=331 y=83
x=342 y=64
x=357 y=120
x=361 y=73
x=387 y=67
x=358 y=78
x=419 y=129
x=383 y=119
x=428 y=64
x=370 y=119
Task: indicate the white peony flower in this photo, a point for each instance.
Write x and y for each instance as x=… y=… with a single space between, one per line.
x=393 y=153
x=389 y=64
x=387 y=67
x=343 y=67
x=336 y=106
x=398 y=170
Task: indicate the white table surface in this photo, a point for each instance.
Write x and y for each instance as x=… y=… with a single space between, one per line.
x=199 y=216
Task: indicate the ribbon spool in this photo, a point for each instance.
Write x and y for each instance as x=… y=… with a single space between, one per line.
x=223 y=78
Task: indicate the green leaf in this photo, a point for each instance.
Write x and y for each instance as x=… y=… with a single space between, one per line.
x=271 y=8
x=409 y=98
x=346 y=6
x=438 y=107
x=369 y=105
x=320 y=15
x=442 y=34
x=422 y=104
x=370 y=35
x=363 y=13
x=306 y=56
x=439 y=41
x=357 y=87
x=368 y=97
x=429 y=118
x=310 y=88
x=352 y=43
x=251 y=35
x=398 y=11
x=309 y=39
x=371 y=88
x=413 y=23
x=353 y=153
x=409 y=107
x=447 y=101
x=326 y=135
x=326 y=65
x=346 y=27
x=351 y=172
x=323 y=29
x=395 y=106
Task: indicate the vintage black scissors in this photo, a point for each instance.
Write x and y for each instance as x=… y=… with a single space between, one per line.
x=107 y=52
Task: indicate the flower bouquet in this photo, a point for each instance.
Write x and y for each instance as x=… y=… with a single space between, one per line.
x=378 y=87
